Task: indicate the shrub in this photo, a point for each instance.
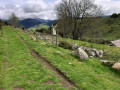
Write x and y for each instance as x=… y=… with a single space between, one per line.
x=23 y=27
x=114 y=15
x=43 y=30
x=65 y=44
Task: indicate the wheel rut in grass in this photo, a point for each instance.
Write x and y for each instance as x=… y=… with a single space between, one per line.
x=4 y=65
x=65 y=81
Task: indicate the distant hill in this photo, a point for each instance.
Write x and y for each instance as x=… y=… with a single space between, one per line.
x=33 y=22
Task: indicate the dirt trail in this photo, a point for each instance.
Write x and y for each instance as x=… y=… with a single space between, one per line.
x=65 y=81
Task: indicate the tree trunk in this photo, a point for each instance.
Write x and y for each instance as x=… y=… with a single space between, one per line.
x=75 y=31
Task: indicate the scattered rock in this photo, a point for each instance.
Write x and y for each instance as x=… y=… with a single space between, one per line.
x=116 y=43
x=32 y=37
x=87 y=50
x=116 y=66
x=101 y=56
x=92 y=53
x=108 y=63
x=101 y=52
x=91 y=57
x=95 y=51
x=70 y=63
x=75 y=46
x=82 y=54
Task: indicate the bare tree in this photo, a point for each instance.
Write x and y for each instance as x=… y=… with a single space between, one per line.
x=77 y=14
x=14 y=20
x=0 y=26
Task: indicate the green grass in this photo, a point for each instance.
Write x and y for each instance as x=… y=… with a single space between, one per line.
x=22 y=69
x=105 y=28
x=88 y=75
x=1 y=58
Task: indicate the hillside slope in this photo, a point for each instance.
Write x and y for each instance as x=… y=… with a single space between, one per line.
x=19 y=69
x=89 y=74
x=103 y=30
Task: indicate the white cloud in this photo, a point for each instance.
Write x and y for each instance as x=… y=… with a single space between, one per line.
x=109 y=6
x=29 y=9
x=45 y=9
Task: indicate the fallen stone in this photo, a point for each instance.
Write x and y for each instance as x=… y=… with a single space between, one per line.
x=92 y=53
x=116 y=66
x=34 y=38
x=101 y=52
x=116 y=43
x=101 y=56
x=58 y=52
x=96 y=52
x=108 y=63
x=75 y=46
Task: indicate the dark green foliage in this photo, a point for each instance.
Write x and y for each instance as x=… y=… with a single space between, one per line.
x=23 y=27
x=65 y=44
x=114 y=15
x=0 y=26
x=43 y=30
x=6 y=23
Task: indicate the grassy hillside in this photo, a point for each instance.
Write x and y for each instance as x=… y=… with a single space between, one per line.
x=88 y=75
x=103 y=30
x=19 y=69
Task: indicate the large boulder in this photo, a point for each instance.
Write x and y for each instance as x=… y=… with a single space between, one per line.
x=116 y=43
x=116 y=66
x=82 y=54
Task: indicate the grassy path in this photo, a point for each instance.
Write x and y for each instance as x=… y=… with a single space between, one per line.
x=65 y=81
x=19 y=69
x=88 y=75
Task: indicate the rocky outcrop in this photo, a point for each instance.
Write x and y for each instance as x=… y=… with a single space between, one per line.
x=116 y=43
x=91 y=52
x=47 y=38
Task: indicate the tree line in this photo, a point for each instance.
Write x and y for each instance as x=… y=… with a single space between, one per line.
x=75 y=16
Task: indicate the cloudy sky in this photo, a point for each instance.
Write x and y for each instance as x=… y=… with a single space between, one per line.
x=45 y=9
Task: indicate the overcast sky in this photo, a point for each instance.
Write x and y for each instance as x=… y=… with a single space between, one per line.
x=45 y=9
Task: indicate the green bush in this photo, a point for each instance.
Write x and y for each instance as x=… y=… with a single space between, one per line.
x=43 y=30
x=22 y=27
x=114 y=15
x=65 y=44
